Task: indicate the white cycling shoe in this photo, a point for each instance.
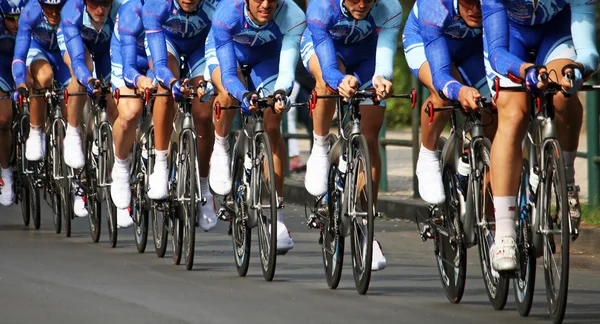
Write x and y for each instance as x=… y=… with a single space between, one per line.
x=73 y=152
x=35 y=147
x=504 y=254
x=220 y=175
x=79 y=206
x=431 y=187
x=317 y=171
x=124 y=219
x=158 y=184
x=207 y=218
x=120 y=188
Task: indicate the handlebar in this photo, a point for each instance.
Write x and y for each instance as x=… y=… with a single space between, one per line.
x=455 y=105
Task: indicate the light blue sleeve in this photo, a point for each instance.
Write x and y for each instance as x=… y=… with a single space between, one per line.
x=583 y=31
x=388 y=17
x=292 y=26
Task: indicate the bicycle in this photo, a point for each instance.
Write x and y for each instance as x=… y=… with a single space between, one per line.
x=466 y=218
x=347 y=209
x=99 y=152
x=543 y=206
x=252 y=201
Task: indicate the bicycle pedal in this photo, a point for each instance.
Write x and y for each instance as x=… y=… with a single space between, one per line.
x=223 y=214
x=378 y=214
x=426 y=233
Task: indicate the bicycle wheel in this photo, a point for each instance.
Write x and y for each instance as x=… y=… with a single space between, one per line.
x=54 y=186
x=333 y=242
x=554 y=225
x=140 y=220
x=524 y=283
x=240 y=232
x=263 y=191
x=188 y=190
x=56 y=211
x=495 y=285
x=361 y=212
x=451 y=253
x=175 y=215
x=93 y=202
x=160 y=218
x=106 y=161
x=140 y=213
x=67 y=204
x=34 y=206
x=24 y=199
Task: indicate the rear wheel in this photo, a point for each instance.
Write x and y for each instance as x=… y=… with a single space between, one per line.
x=107 y=155
x=176 y=218
x=189 y=191
x=34 y=207
x=94 y=206
x=25 y=199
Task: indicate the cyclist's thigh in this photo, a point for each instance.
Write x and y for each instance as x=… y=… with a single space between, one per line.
x=39 y=65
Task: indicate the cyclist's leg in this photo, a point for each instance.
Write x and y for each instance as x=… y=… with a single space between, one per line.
x=6 y=185
x=317 y=165
x=163 y=115
x=220 y=175
x=74 y=155
x=506 y=157
x=202 y=112
x=124 y=130
x=42 y=74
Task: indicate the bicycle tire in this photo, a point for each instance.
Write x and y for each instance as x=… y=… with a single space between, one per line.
x=361 y=266
x=188 y=190
x=333 y=243
x=241 y=234
x=524 y=283
x=67 y=205
x=107 y=154
x=138 y=209
x=94 y=206
x=34 y=207
x=24 y=199
x=444 y=246
x=54 y=188
x=555 y=163
x=496 y=286
x=140 y=229
x=56 y=211
x=264 y=182
x=175 y=216
x=160 y=233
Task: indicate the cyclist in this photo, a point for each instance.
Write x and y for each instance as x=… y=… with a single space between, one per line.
x=37 y=56
x=129 y=72
x=174 y=28
x=560 y=46
x=83 y=38
x=357 y=37
x=265 y=35
x=444 y=49
x=11 y=9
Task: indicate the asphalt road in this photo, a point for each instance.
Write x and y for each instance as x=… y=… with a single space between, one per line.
x=48 y=278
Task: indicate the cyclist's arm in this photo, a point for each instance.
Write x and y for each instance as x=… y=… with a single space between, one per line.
x=583 y=31
x=70 y=24
x=154 y=13
x=224 y=21
x=292 y=27
x=318 y=19
x=388 y=18
x=495 y=25
x=23 y=41
x=431 y=24
x=130 y=25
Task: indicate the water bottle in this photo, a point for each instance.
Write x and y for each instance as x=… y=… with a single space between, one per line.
x=342 y=168
x=247 y=165
x=464 y=169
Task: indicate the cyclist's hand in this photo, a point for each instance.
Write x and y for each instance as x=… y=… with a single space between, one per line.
x=202 y=89
x=179 y=90
x=92 y=87
x=572 y=79
x=382 y=86
x=533 y=80
x=21 y=91
x=348 y=86
x=144 y=83
x=468 y=96
x=281 y=101
x=248 y=103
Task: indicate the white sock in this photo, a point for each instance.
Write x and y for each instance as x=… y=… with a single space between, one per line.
x=321 y=144
x=7 y=173
x=122 y=164
x=35 y=130
x=161 y=159
x=570 y=166
x=221 y=143
x=505 y=210
x=427 y=156
x=74 y=131
x=204 y=187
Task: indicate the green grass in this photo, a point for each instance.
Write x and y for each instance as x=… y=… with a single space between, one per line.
x=590 y=217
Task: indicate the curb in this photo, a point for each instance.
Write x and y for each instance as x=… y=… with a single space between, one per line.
x=588 y=242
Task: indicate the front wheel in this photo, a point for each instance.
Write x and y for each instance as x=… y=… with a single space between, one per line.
x=188 y=190
x=240 y=232
x=361 y=211
x=333 y=243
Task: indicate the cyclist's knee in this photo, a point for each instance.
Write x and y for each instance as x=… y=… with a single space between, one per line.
x=43 y=78
x=322 y=88
x=512 y=122
x=129 y=113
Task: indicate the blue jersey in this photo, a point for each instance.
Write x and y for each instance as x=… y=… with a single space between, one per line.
x=165 y=18
x=33 y=25
x=498 y=14
x=234 y=32
x=79 y=33
x=440 y=26
x=129 y=32
x=334 y=31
